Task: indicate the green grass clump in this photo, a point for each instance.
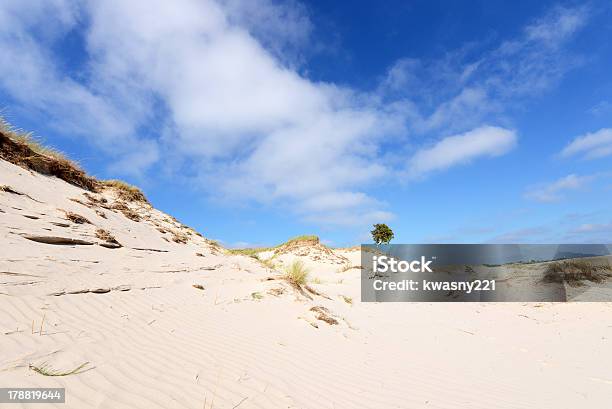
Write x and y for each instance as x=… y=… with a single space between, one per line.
x=47 y=370
x=296 y=273
x=125 y=191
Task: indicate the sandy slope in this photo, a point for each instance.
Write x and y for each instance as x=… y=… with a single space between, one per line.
x=155 y=341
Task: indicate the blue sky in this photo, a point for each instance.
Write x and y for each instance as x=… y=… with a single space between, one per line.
x=254 y=121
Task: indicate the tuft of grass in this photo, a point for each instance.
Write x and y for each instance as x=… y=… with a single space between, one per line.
x=257 y=296
x=345 y=268
x=348 y=300
x=317 y=280
x=575 y=272
x=296 y=273
x=125 y=191
x=47 y=370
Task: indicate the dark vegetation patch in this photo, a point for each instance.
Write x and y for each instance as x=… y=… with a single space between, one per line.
x=77 y=218
x=576 y=272
x=106 y=236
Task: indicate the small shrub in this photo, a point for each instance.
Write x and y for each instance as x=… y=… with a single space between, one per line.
x=296 y=274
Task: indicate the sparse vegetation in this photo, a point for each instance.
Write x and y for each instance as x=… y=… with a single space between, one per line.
x=323 y=314
x=256 y=296
x=309 y=238
x=127 y=212
x=575 y=272
x=77 y=218
x=179 y=237
x=106 y=236
x=23 y=149
x=347 y=300
x=345 y=268
x=47 y=370
x=296 y=273
x=125 y=191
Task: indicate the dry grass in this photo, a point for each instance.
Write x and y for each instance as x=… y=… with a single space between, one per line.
x=575 y=272
x=23 y=149
x=127 y=212
x=106 y=236
x=125 y=191
x=179 y=237
x=296 y=273
x=323 y=314
x=77 y=218
x=348 y=300
x=47 y=370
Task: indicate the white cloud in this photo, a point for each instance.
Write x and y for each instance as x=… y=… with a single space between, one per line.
x=591 y=145
x=554 y=191
x=215 y=87
x=487 y=141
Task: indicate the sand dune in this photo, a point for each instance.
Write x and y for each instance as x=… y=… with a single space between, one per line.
x=247 y=339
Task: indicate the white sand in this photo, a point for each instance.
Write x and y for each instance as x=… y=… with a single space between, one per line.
x=165 y=344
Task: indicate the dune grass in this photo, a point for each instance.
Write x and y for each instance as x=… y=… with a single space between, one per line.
x=296 y=273
x=575 y=272
x=35 y=144
x=125 y=191
x=307 y=237
x=47 y=370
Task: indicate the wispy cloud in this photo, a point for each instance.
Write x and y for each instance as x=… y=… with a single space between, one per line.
x=486 y=141
x=554 y=191
x=591 y=145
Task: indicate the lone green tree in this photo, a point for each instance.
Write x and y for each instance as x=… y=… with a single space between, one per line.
x=382 y=234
